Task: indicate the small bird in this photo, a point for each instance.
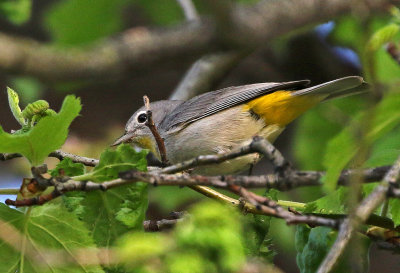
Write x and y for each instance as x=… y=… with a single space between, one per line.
x=219 y=121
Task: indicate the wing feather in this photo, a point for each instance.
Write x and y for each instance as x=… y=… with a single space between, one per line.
x=212 y=102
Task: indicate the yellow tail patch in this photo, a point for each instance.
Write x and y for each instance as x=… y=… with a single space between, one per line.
x=281 y=107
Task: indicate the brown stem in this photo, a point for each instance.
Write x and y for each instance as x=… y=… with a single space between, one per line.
x=150 y=124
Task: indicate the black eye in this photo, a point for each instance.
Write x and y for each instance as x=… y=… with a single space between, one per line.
x=142 y=118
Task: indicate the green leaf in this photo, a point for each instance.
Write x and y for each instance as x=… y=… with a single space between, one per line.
x=386 y=150
x=48 y=135
x=382 y=36
x=333 y=203
x=78 y=22
x=256 y=228
x=255 y=238
x=386 y=68
x=162 y=12
x=114 y=212
x=47 y=228
x=68 y=167
x=17 y=11
x=114 y=162
x=312 y=245
x=13 y=102
x=342 y=148
x=394 y=210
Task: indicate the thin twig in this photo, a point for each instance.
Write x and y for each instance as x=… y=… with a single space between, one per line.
x=393 y=51
x=159 y=225
x=189 y=10
x=9 y=191
x=210 y=69
x=316 y=219
x=270 y=207
x=150 y=124
x=7 y=156
x=58 y=154
x=206 y=73
x=257 y=145
x=75 y=158
x=292 y=180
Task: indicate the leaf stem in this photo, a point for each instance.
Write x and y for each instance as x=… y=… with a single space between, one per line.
x=9 y=191
x=291 y=204
x=24 y=238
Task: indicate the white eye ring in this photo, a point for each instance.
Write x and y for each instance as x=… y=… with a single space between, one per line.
x=141 y=117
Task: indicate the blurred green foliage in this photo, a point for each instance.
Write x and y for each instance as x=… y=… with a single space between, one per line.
x=210 y=240
x=334 y=131
x=16 y=11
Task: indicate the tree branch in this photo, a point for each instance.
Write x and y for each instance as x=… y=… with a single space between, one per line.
x=59 y=155
x=189 y=10
x=140 y=48
x=206 y=73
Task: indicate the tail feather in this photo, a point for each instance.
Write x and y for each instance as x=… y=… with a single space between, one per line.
x=337 y=88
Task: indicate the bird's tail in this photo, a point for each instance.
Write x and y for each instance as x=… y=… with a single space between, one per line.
x=337 y=88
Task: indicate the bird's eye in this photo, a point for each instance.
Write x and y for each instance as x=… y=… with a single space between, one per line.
x=142 y=118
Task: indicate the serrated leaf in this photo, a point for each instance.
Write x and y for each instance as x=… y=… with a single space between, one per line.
x=342 y=148
x=13 y=102
x=333 y=203
x=68 y=167
x=112 y=163
x=17 y=11
x=48 y=135
x=256 y=229
x=47 y=228
x=114 y=212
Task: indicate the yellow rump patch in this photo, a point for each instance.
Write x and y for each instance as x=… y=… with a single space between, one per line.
x=281 y=107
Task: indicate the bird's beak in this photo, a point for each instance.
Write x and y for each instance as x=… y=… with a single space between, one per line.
x=125 y=138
